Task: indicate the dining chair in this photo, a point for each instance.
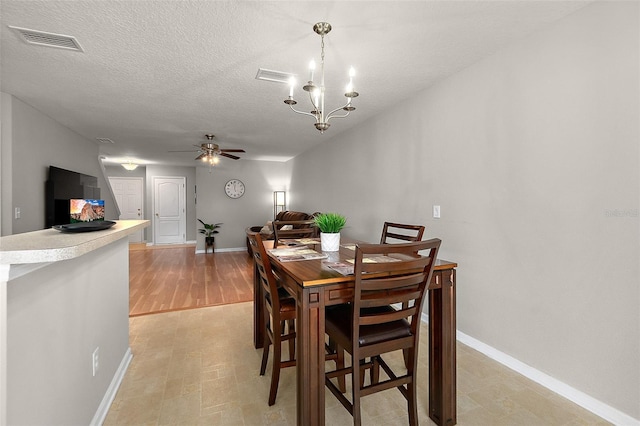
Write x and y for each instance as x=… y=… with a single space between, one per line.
x=279 y=316
x=293 y=229
x=374 y=323
x=401 y=231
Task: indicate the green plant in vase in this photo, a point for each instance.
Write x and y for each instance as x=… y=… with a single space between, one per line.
x=330 y=225
x=209 y=230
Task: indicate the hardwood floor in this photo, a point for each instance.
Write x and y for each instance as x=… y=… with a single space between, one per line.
x=163 y=279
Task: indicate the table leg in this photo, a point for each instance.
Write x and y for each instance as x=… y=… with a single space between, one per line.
x=310 y=356
x=442 y=351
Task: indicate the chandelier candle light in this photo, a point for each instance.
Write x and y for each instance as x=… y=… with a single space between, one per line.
x=316 y=93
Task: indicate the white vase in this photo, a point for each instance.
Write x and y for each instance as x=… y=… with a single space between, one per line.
x=330 y=242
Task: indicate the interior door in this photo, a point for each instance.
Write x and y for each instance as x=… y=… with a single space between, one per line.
x=169 y=220
x=129 y=195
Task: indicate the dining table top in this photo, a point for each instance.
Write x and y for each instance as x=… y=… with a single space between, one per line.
x=313 y=272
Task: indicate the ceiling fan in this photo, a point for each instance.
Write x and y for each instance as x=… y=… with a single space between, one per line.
x=210 y=152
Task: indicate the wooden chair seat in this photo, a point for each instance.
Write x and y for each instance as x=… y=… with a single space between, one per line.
x=287 y=303
x=339 y=326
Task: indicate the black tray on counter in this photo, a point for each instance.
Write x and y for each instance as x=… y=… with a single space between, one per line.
x=97 y=225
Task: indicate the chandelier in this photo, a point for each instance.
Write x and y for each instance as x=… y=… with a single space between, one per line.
x=317 y=92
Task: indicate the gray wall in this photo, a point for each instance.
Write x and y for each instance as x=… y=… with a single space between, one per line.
x=211 y=204
x=533 y=156
x=31 y=142
x=254 y=208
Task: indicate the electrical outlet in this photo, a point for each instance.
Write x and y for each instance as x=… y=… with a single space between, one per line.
x=436 y=212
x=95 y=358
x=17 y=213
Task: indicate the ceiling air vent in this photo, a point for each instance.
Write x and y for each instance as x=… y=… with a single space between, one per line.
x=48 y=39
x=275 y=76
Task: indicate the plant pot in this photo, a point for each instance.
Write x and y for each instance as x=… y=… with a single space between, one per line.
x=209 y=241
x=330 y=242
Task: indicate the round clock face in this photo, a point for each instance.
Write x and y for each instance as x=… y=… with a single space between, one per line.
x=234 y=188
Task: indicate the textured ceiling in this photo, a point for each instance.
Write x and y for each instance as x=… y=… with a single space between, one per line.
x=156 y=76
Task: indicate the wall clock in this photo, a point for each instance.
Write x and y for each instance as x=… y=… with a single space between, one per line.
x=234 y=188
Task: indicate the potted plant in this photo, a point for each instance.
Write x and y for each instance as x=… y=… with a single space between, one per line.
x=209 y=230
x=330 y=225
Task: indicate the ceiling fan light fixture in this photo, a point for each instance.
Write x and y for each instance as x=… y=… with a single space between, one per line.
x=210 y=152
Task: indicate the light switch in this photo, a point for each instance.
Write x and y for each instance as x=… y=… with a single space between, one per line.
x=436 y=212
x=17 y=215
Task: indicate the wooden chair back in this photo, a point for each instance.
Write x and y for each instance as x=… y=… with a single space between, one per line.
x=267 y=280
x=379 y=285
x=401 y=231
x=299 y=229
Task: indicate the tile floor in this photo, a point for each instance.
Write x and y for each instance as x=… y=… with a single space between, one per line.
x=199 y=367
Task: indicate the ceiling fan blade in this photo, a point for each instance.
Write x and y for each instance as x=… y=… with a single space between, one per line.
x=224 y=154
x=201 y=156
x=200 y=148
x=232 y=150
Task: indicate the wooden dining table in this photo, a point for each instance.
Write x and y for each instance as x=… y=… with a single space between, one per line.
x=316 y=286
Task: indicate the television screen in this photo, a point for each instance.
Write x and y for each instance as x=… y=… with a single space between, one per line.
x=86 y=210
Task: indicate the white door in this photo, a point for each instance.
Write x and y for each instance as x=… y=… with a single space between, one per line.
x=170 y=219
x=129 y=196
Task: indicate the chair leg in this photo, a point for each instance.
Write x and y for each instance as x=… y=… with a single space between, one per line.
x=292 y=342
x=275 y=373
x=266 y=342
x=356 y=381
x=412 y=389
x=342 y=385
x=412 y=403
x=375 y=370
x=338 y=351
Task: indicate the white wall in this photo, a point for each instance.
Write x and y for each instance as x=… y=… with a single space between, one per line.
x=31 y=143
x=254 y=208
x=533 y=156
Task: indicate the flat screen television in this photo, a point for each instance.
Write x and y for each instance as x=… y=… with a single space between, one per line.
x=63 y=186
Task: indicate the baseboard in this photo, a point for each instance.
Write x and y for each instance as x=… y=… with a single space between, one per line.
x=223 y=250
x=108 y=398
x=587 y=402
x=186 y=243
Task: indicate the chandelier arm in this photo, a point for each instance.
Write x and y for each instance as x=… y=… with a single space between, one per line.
x=313 y=104
x=301 y=112
x=331 y=114
x=337 y=116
